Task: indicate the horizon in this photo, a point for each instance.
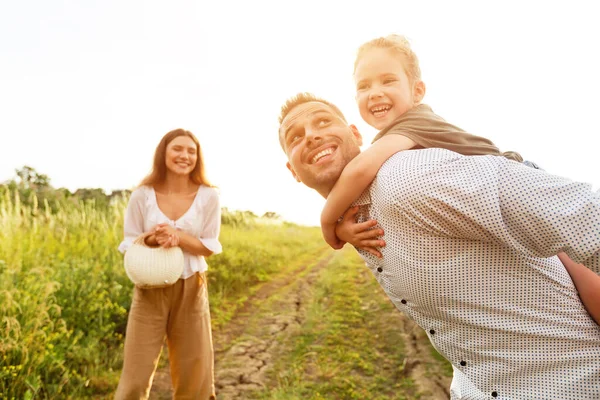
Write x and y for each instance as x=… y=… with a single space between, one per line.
x=91 y=88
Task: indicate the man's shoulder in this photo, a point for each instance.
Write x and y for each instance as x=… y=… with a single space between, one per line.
x=414 y=171
x=408 y=159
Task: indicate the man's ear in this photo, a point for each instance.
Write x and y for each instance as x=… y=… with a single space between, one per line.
x=289 y=166
x=356 y=134
x=419 y=90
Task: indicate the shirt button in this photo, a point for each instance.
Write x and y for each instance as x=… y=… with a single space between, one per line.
x=379 y=269
x=464 y=364
x=403 y=301
x=432 y=331
x=494 y=394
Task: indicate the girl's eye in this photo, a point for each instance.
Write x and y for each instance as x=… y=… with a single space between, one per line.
x=323 y=122
x=389 y=80
x=362 y=87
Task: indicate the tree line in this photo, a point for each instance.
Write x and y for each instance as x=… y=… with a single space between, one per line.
x=32 y=187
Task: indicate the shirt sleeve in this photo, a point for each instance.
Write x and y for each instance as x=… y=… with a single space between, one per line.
x=133 y=225
x=429 y=130
x=497 y=200
x=546 y=214
x=212 y=223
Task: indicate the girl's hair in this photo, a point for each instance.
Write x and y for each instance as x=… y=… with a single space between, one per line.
x=158 y=174
x=399 y=45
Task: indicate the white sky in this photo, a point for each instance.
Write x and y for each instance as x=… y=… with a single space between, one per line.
x=88 y=88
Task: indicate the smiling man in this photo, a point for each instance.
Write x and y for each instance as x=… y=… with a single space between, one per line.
x=315 y=165
x=471 y=255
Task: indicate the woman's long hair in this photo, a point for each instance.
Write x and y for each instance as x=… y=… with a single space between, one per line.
x=159 y=167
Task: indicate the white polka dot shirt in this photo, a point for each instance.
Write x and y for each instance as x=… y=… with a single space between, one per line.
x=470 y=256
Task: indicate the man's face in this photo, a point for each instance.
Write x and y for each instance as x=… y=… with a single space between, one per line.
x=318 y=144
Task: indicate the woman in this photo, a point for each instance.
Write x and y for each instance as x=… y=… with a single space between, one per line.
x=174 y=206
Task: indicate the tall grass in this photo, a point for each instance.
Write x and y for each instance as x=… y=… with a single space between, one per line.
x=64 y=294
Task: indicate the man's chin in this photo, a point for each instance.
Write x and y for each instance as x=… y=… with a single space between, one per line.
x=323 y=181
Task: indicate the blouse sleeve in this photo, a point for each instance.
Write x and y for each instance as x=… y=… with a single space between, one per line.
x=211 y=227
x=134 y=220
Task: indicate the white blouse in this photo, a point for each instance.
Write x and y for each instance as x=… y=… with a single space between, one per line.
x=202 y=220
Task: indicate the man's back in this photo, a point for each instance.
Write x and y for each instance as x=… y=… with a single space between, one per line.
x=466 y=259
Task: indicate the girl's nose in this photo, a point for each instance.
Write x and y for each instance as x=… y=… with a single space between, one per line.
x=375 y=93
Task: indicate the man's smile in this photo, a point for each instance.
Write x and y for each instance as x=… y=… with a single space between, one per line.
x=321 y=154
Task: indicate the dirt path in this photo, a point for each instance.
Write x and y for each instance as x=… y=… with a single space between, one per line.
x=244 y=348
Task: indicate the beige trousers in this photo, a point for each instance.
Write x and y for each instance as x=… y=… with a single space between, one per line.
x=180 y=312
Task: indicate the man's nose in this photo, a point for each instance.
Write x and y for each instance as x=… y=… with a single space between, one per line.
x=313 y=136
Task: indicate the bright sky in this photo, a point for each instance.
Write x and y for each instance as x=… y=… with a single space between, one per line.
x=87 y=89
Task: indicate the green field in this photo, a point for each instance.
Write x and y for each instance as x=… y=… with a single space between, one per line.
x=64 y=298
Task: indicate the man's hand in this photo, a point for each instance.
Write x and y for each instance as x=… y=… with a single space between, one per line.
x=362 y=235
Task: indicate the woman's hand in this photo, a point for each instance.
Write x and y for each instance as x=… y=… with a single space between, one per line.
x=166 y=236
x=364 y=235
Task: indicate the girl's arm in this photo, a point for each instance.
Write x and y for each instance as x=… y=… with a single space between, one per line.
x=356 y=177
x=587 y=284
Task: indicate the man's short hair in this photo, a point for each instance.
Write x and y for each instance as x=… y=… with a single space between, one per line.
x=301 y=98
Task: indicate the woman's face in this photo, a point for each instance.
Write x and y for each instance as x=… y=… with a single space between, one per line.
x=181 y=155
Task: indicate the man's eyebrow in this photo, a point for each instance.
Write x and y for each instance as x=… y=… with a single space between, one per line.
x=287 y=130
x=320 y=112
x=310 y=114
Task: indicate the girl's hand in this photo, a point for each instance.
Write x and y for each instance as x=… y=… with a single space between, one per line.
x=364 y=235
x=330 y=236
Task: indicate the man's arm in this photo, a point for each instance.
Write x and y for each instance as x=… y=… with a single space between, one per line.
x=497 y=200
x=546 y=214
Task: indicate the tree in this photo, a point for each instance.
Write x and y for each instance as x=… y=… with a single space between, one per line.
x=271 y=215
x=29 y=178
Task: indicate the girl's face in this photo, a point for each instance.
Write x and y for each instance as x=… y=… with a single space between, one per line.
x=383 y=90
x=181 y=155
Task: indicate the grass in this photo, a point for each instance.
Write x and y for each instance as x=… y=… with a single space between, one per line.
x=64 y=297
x=348 y=346
x=64 y=294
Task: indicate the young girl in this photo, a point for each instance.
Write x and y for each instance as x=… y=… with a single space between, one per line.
x=389 y=91
x=173 y=206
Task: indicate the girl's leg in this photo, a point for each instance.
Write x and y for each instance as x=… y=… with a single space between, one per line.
x=146 y=328
x=190 y=342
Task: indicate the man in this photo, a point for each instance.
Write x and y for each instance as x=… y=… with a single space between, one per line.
x=471 y=256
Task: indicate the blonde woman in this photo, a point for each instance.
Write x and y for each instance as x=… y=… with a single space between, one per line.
x=174 y=206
